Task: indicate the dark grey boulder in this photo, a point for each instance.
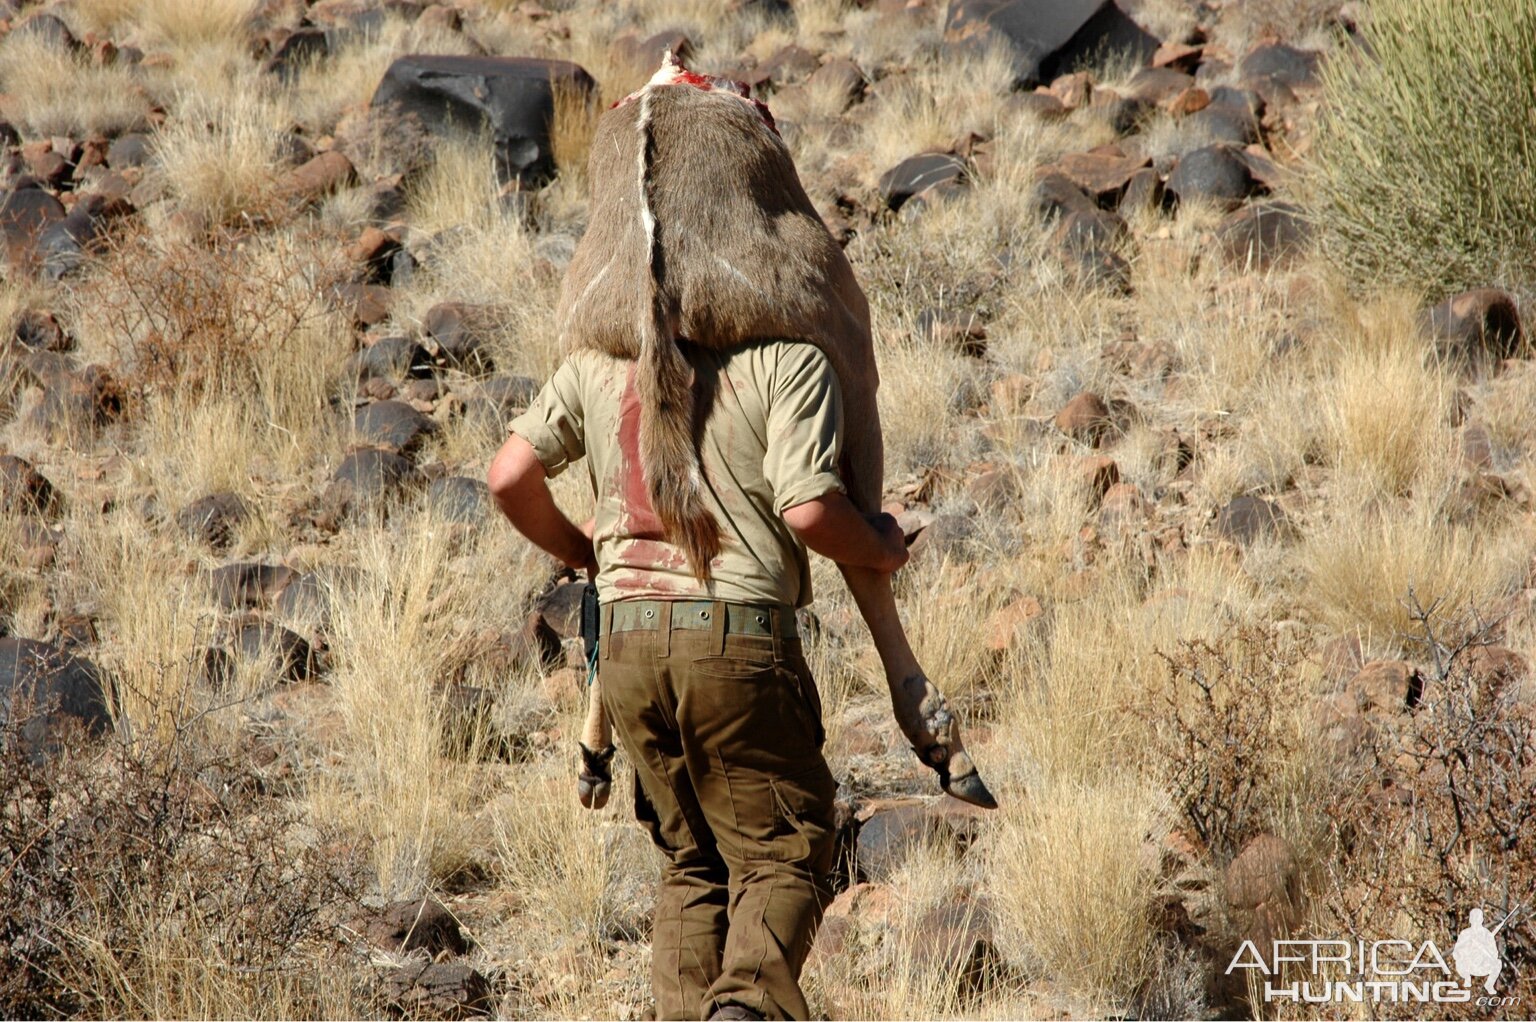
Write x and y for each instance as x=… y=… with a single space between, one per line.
x=1233 y=116
x=459 y=499
x=513 y=97
x=392 y=424
x=1056 y=196
x=1213 y=174
x=1264 y=235
x=392 y=358
x=1246 y=519
x=214 y=519
x=27 y=211
x=1281 y=64
x=372 y=474
x=294 y=659
x=461 y=333
x=23 y=489
x=1049 y=37
x=44 y=689
x=915 y=174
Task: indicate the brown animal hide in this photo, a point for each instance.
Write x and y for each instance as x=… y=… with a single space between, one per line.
x=700 y=231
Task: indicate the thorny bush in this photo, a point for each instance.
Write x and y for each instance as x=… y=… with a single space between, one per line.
x=204 y=315
x=1442 y=819
x=1221 y=734
x=127 y=870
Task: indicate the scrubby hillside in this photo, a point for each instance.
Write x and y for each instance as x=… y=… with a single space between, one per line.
x=1218 y=487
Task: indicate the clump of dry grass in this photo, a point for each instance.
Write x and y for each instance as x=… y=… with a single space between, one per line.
x=390 y=651
x=1363 y=564
x=220 y=158
x=61 y=93
x=1387 y=406
x=1072 y=886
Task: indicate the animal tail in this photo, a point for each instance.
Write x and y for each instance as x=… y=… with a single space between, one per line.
x=664 y=383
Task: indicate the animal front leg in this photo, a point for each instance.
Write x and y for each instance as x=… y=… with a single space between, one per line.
x=595 y=781
x=921 y=710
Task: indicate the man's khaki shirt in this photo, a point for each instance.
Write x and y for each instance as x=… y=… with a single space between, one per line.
x=771 y=441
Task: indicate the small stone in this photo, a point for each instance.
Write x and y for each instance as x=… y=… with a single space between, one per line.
x=1246 y=519
x=1004 y=624
x=392 y=424
x=917 y=174
x=214 y=519
x=1085 y=418
x=461 y=333
x=1098 y=474
x=295 y=659
x=1476 y=325
x=1386 y=686
x=319 y=177
x=438 y=990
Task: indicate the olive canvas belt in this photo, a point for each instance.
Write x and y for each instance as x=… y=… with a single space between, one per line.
x=704 y=615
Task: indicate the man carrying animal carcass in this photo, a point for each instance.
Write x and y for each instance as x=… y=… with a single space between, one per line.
x=719 y=386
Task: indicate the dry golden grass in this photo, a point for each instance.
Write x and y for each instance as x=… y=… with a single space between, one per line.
x=59 y=93
x=1084 y=918
x=1388 y=406
x=390 y=787
x=220 y=158
x=1364 y=562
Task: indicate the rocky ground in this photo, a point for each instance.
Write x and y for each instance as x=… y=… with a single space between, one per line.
x=1224 y=554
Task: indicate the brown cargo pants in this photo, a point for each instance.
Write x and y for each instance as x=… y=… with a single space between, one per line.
x=725 y=733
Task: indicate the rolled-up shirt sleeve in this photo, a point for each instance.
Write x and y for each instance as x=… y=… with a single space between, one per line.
x=553 y=423
x=805 y=429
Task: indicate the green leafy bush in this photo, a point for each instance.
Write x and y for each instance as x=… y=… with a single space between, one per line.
x=1425 y=167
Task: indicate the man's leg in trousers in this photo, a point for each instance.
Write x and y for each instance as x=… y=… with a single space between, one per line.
x=688 y=933
x=751 y=728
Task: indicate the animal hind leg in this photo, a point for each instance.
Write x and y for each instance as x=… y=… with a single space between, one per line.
x=921 y=710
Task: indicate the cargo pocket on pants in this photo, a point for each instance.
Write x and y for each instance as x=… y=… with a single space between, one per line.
x=804 y=810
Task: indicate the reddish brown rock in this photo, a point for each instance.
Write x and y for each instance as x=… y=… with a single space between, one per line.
x=438 y=990
x=319 y=177
x=1386 y=686
x=1098 y=474
x=405 y=926
x=1085 y=418
x=1005 y=623
x=1102 y=173
x=1262 y=887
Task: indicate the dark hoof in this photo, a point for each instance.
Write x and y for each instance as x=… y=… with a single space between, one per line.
x=593 y=791
x=595 y=782
x=970 y=789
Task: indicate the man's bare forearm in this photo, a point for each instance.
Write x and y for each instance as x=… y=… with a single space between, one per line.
x=834 y=528
x=517 y=481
